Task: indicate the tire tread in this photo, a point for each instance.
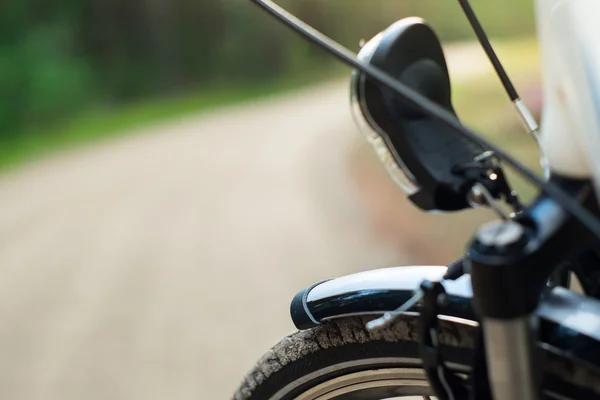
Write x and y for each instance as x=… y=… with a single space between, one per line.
x=335 y=333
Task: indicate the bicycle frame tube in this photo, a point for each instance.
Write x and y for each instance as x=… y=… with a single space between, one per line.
x=569 y=36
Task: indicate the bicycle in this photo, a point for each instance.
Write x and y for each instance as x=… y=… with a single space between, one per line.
x=500 y=322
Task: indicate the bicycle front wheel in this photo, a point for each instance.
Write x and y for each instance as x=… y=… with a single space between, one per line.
x=342 y=360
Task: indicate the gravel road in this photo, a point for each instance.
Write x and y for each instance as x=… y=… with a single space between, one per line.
x=161 y=265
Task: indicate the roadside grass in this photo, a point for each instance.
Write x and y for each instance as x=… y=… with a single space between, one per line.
x=101 y=124
x=482 y=104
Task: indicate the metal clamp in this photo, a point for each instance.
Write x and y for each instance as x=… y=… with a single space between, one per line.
x=446 y=385
x=490 y=185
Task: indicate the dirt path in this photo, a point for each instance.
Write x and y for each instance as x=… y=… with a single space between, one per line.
x=160 y=266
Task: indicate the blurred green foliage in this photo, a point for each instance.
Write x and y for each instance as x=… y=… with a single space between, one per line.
x=61 y=58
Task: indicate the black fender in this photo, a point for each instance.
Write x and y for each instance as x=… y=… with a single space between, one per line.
x=376 y=292
x=569 y=323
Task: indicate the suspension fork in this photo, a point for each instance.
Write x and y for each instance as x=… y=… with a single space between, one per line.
x=510 y=263
x=505 y=304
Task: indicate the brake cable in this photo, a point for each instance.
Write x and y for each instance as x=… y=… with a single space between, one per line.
x=520 y=106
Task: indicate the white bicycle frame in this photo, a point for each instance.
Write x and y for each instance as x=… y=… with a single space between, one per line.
x=569 y=39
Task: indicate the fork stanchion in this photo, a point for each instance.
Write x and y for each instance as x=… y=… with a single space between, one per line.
x=505 y=301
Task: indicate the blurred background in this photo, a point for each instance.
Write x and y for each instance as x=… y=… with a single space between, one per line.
x=173 y=172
